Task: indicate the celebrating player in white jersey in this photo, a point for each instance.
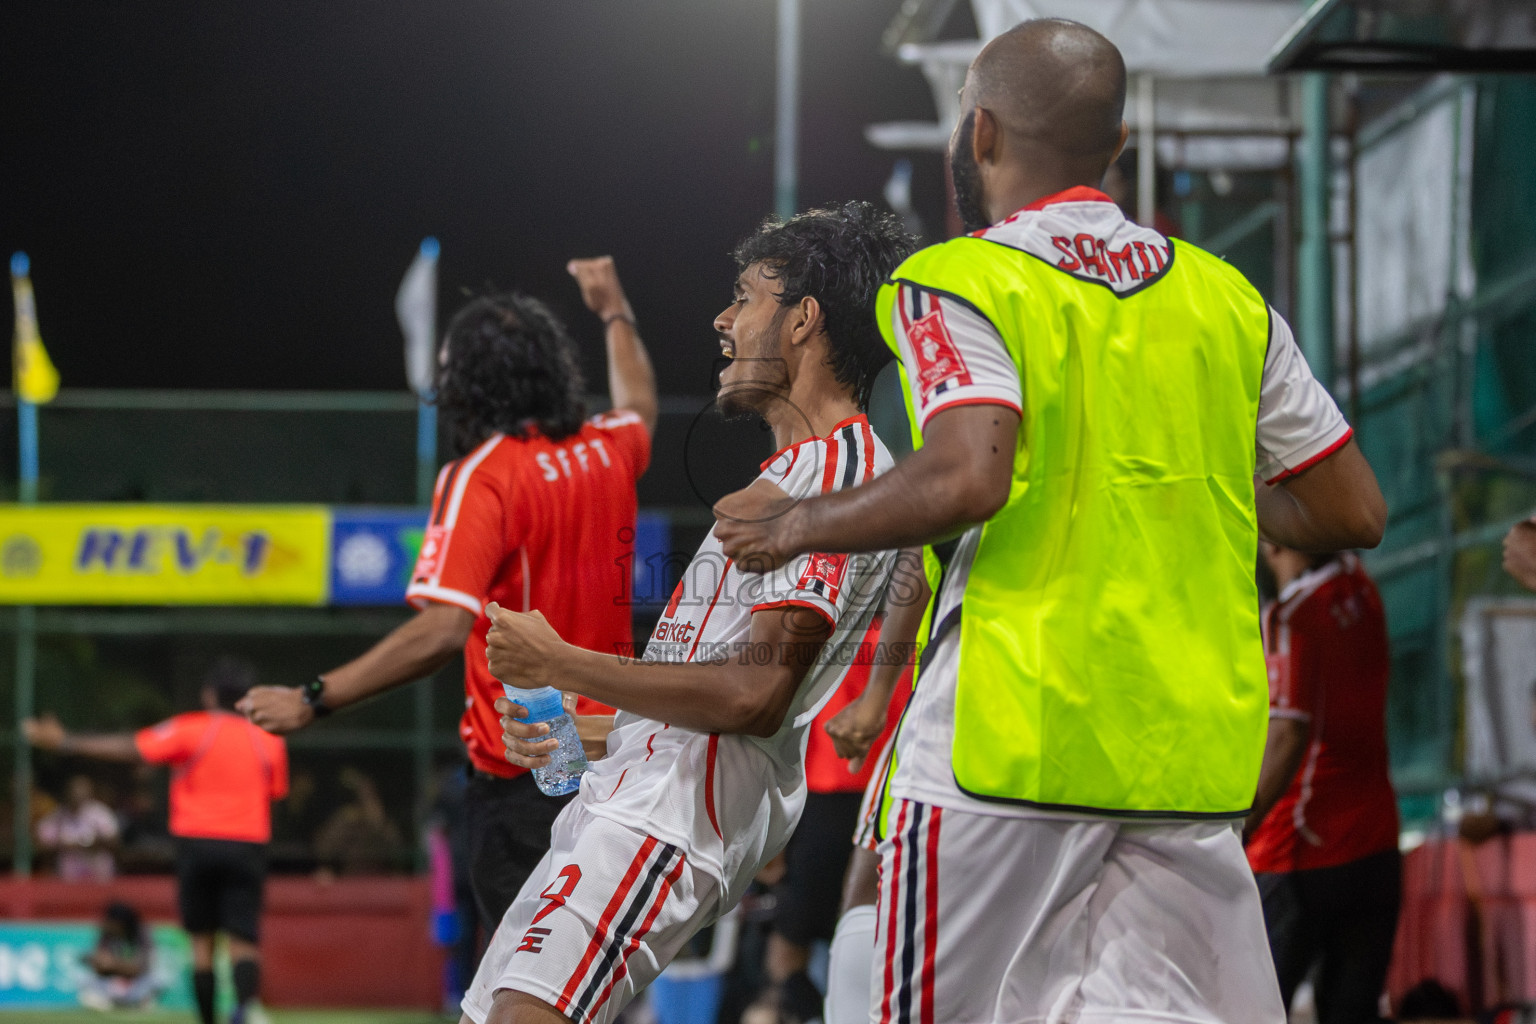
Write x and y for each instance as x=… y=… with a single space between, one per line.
x=704 y=779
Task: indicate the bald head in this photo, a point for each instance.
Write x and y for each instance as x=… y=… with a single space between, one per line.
x=1056 y=87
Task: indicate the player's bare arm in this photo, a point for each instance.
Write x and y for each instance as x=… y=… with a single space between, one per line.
x=855 y=728
x=414 y=650
x=48 y=733
x=958 y=479
x=1283 y=750
x=631 y=380
x=1331 y=506
x=733 y=694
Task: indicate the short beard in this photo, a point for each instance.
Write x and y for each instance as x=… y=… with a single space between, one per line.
x=966 y=176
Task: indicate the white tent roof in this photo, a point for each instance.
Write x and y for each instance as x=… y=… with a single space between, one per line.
x=1207 y=56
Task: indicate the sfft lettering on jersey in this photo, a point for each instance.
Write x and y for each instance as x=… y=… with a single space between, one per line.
x=579 y=454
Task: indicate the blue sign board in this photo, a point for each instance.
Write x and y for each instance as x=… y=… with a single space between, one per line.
x=41 y=965
x=373 y=552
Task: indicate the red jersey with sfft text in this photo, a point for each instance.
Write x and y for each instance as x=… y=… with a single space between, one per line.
x=534 y=524
x=1325 y=640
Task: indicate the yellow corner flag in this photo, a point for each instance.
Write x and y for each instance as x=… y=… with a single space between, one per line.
x=36 y=380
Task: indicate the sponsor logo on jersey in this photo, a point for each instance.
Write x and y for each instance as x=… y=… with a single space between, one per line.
x=824 y=574
x=429 y=562
x=938 y=358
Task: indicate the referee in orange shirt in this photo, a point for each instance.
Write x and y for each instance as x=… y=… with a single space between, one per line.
x=226 y=773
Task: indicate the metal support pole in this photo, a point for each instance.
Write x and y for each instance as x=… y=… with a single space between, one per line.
x=1146 y=150
x=787 y=131
x=426 y=451
x=26 y=653
x=1314 y=271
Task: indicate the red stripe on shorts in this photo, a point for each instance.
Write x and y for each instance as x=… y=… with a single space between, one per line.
x=644 y=929
x=890 y=934
x=709 y=783
x=563 y=1004
x=931 y=913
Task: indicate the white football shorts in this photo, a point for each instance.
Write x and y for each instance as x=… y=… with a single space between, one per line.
x=606 y=909
x=999 y=920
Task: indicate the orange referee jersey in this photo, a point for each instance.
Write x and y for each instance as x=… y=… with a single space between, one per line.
x=225 y=773
x=532 y=523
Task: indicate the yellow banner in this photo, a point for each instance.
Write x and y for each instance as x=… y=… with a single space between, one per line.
x=164 y=554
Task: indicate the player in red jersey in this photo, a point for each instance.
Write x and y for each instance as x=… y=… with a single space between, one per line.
x=1322 y=835
x=537 y=512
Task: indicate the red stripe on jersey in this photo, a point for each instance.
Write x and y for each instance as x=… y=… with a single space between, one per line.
x=677 y=596
x=890 y=931
x=869 y=450
x=829 y=473
x=710 y=610
x=931 y=915
x=644 y=929
x=1314 y=460
x=709 y=783
x=616 y=786
x=600 y=936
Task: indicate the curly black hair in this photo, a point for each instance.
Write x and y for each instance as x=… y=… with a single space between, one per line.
x=838 y=255
x=511 y=368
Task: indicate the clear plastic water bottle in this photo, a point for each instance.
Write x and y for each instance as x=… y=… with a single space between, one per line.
x=568 y=761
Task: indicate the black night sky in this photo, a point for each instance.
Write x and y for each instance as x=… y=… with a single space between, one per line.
x=226 y=195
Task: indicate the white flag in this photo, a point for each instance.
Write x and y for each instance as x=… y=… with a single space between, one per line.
x=416 y=309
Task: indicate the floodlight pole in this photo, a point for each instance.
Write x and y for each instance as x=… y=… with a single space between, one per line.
x=787 y=129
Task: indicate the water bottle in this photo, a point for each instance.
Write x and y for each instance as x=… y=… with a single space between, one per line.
x=568 y=761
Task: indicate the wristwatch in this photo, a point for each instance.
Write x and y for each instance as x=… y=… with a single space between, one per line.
x=314 y=696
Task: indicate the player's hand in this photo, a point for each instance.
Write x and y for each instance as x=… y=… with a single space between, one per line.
x=754 y=526
x=1520 y=553
x=521 y=648
x=600 y=288
x=45 y=733
x=528 y=744
x=277 y=709
x=855 y=729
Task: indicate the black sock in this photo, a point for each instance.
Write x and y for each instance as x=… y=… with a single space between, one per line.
x=202 y=990
x=247 y=980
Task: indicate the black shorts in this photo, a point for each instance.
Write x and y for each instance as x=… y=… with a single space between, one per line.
x=508 y=824
x=808 y=898
x=219 y=886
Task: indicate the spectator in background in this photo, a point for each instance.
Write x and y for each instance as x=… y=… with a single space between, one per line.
x=358 y=838
x=226 y=774
x=1322 y=835
x=535 y=514
x=81 y=833
x=120 y=964
x=1520 y=553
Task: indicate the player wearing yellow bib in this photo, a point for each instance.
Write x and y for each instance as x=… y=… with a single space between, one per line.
x=1106 y=420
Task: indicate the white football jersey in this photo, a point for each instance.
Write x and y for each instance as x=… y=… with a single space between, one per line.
x=731 y=801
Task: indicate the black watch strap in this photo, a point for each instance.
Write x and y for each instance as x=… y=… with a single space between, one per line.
x=314 y=696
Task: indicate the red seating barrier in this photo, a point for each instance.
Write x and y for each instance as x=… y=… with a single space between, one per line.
x=1469 y=920
x=351 y=942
